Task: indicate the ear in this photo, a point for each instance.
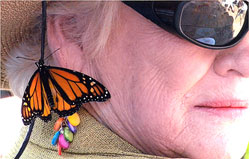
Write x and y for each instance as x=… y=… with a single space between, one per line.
x=69 y=54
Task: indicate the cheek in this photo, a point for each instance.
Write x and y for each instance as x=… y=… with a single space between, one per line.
x=180 y=63
x=163 y=80
x=186 y=71
x=157 y=107
x=178 y=70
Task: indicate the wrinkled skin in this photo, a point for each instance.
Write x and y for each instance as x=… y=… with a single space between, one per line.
x=157 y=80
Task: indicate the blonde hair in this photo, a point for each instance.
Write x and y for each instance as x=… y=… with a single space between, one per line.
x=87 y=24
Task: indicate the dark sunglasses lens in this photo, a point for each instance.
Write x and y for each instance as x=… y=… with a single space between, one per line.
x=211 y=22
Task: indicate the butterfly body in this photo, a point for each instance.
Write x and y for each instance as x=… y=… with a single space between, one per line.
x=44 y=74
x=60 y=90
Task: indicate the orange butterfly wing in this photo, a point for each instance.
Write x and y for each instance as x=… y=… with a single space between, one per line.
x=75 y=87
x=34 y=101
x=61 y=107
x=66 y=89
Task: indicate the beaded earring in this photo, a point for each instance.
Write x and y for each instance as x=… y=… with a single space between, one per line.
x=65 y=129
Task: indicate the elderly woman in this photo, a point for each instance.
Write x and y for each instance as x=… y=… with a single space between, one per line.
x=177 y=72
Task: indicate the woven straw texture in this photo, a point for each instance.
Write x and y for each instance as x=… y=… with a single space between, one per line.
x=15 y=21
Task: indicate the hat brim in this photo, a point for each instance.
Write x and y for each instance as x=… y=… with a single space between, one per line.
x=16 y=19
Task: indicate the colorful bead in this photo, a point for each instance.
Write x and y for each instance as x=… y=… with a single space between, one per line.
x=68 y=135
x=58 y=124
x=59 y=149
x=62 y=142
x=74 y=119
x=71 y=127
x=55 y=138
x=65 y=127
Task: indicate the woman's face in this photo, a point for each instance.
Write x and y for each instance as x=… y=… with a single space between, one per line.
x=172 y=98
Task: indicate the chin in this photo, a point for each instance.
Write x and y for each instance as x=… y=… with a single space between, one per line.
x=217 y=135
x=215 y=138
x=230 y=152
x=223 y=144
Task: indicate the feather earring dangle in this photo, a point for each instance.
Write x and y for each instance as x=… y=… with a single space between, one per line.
x=60 y=90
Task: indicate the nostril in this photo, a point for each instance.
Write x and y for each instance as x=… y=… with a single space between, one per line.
x=234 y=72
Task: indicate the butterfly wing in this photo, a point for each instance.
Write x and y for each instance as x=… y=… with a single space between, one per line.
x=61 y=107
x=75 y=87
x=34 y=100
x=46 y=115
x=69 y=89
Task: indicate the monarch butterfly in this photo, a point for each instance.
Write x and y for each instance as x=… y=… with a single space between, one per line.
x=60 y=90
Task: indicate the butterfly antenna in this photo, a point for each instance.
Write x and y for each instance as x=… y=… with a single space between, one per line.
x=51 y=54
x=26 y=140
x=19 y=57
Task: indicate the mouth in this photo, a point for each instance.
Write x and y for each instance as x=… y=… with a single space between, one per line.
x=230 y=109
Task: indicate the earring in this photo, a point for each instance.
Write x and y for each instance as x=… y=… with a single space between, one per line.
x=65 y=129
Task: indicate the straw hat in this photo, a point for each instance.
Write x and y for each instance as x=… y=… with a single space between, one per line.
x=16 y=17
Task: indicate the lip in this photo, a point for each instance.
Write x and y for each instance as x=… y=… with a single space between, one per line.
x=225 y=104
x=229 y=109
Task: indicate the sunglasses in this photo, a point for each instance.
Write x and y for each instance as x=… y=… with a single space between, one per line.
x=210 y=24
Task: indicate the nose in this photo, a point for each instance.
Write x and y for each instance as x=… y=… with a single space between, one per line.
x=234 y=61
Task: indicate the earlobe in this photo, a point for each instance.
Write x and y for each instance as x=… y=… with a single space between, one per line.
x=69 y=53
